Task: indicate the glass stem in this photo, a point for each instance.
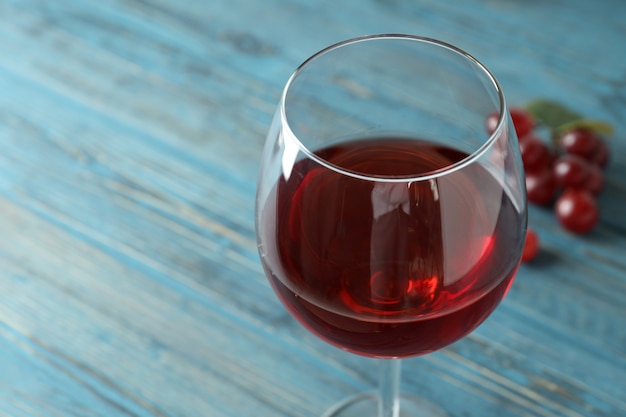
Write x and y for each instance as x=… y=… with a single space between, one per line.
x=389 y=388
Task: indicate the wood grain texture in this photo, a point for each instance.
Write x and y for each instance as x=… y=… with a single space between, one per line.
x=130 y=137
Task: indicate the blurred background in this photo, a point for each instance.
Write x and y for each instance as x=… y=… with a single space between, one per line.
x=130 y=139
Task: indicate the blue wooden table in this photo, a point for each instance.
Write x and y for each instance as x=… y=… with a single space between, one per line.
x=130 y=285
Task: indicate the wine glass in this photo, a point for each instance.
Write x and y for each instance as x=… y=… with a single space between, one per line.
x=390 y=222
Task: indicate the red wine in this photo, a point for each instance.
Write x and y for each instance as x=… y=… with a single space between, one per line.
x=384 y=268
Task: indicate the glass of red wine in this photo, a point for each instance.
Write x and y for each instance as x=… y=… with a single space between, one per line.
x=390 y=220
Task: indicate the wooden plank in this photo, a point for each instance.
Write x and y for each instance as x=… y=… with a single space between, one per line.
x=146 y=326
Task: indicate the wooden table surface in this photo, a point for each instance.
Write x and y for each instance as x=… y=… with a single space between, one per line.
x=130 y=139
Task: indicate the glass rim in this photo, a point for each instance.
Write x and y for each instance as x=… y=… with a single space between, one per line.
x=448 y=169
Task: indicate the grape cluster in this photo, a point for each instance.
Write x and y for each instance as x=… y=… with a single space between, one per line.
x=567 y=174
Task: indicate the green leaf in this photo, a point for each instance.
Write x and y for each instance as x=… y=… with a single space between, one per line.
x=551 y=113
x=598 y=126
x=559 y=118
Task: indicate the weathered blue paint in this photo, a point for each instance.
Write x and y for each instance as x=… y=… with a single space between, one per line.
x=130 y=137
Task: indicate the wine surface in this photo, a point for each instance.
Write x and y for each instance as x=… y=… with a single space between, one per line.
x=390 y=268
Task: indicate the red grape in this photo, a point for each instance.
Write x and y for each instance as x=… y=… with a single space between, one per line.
x=595 y=180
x=577 y=211
x=541 y=186
x=522 y=121
x=600 y=155
x=535 y=153
x=492 y=122
x=580 y=142
x=573 y=164
x=571 y=170
x=531 y=246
